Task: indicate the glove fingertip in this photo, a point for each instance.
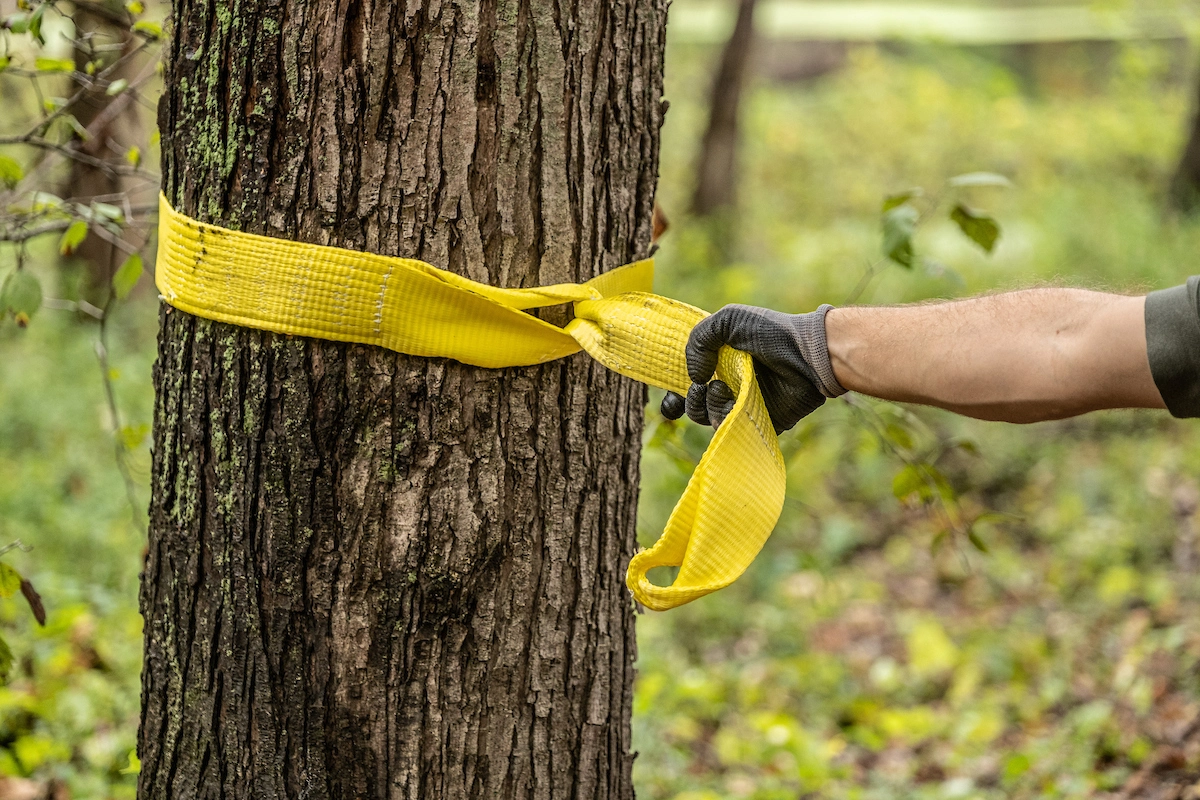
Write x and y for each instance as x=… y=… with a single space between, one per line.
x=673 y=406
x=720 y=391
x=720 y=402
x=697 y=403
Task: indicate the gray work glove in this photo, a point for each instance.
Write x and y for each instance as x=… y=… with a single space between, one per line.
x=791 y=361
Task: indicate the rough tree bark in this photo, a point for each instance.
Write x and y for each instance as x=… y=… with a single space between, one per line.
x=372 y=575
x=717 y=165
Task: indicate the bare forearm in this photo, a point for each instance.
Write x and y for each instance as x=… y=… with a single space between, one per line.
x=1019 y=357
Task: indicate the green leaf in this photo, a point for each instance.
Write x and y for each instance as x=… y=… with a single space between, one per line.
x=980 y=179
x=11 y=172
x=10 y=580
x=938 y=540
x=6 y=660
x=995 y=517
x=899 y=225
x=35 y=24
x=17 y=23
x=44 y=64
x=135 y=7
x=964 y=444
x=4 y=62
x=132 y=436
x=940 y=483
x=127 y=276
x=978 y=226
x=72 y=237
x=108 y=212
x=1016 y=765
x=77 y=126
x=977 y=541
x=135 y=764
x=21 y=294
x=116 y=87
x=900 y=198
x=899 y=436
x=44 y=201
x=151 y=30
x=909 y=481
x=930 y=651
x=134 y=155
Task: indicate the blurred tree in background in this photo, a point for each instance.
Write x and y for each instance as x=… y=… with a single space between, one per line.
x=1185 y=183
x=716 y=167
x=109 y=113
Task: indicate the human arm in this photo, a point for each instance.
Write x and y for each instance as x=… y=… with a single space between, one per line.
x=1025 y=356
x=1020 y=357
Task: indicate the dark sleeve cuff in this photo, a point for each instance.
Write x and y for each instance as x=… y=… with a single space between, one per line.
x=1173 y=346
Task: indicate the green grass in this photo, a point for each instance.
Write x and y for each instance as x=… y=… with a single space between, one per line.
x=854 y=659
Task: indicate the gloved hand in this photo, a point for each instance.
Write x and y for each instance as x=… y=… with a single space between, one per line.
x=791 y=361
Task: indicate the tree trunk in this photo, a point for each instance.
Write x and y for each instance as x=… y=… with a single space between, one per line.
x=717 y=167
x=1185 y=184
x=113 y=127
x=372 y=575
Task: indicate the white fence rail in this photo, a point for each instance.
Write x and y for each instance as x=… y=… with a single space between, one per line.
x=711 y=21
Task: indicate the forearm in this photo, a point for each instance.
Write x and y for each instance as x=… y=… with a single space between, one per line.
x=1019 y=357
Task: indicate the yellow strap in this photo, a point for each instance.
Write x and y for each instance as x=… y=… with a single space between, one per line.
x=734 y=497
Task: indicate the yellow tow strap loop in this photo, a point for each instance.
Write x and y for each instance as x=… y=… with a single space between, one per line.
x=734 y=497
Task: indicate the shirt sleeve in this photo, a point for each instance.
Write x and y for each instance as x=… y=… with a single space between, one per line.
x=1173 y=346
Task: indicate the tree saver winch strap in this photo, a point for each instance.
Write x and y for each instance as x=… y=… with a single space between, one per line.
x=734 y=497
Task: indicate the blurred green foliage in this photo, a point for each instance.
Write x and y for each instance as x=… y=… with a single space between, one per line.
x=73 y=465
x=866 y=654
x=68 y=713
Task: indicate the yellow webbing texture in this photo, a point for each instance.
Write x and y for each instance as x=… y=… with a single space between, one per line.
x=734 y=497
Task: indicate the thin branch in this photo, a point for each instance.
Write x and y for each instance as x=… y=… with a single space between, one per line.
x=115 y=241
x=19 y=234
x=16 y=544
x=87 y=86
x=121 y=452
x=115 y=411
x=58 y=304
x=67 y=152
x=873 y=270
x=119 y=103
x=77 y=154
x=58 y=226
